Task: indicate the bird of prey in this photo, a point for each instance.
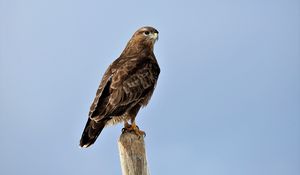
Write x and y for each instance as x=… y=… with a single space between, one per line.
x=126 y=86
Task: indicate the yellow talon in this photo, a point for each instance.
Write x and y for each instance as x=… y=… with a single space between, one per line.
x=133 y=128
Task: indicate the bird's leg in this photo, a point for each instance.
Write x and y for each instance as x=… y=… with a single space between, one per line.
x=126 y=126
x=133 y=128
x=137 y=130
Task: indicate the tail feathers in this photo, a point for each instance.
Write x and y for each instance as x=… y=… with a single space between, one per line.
x=90 y=133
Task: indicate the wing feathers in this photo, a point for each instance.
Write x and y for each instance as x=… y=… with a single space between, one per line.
x=124 y=86
x=131 y=84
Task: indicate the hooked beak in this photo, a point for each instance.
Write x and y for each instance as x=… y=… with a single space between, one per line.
x=154 y=36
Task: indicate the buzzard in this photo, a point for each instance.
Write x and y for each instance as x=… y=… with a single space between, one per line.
x=126 y=86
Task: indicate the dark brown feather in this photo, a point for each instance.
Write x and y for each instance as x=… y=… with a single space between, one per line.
x=91 y=131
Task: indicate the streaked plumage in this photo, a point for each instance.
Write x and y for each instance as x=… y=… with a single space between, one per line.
x=126 y=86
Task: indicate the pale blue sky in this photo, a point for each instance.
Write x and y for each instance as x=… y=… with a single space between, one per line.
x=227 y=100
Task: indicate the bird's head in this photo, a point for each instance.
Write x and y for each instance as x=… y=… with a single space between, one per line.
x=143 y=38
x=146 y=34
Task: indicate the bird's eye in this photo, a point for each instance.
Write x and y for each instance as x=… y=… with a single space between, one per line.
x=146 y=32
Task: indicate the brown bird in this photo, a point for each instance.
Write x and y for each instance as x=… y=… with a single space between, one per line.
x=126 y=86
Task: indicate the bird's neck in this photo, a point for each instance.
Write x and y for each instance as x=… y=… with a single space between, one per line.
x=133 y=49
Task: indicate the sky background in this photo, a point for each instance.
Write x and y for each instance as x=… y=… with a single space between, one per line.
x=227 y=100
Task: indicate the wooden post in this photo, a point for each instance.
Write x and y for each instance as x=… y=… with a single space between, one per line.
x=132 y=154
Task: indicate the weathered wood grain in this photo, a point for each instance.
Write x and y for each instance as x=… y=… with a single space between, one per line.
x=132 y=154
